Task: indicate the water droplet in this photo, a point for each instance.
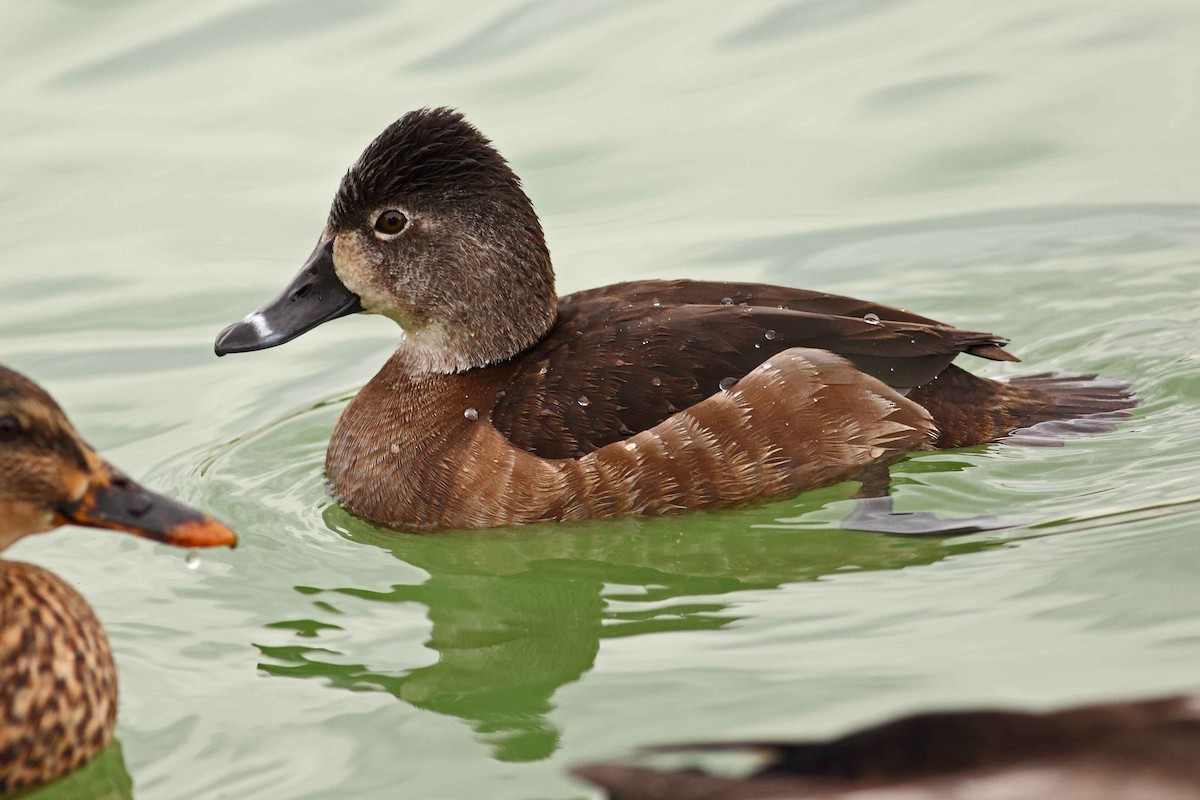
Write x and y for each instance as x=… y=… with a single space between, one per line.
x=771 y=335
x=583 y=401
x=395 y=448
x=543 y=370
x=757 y=346
x=871 y=319
x=656 y=381
x=192 y=560
x=726 y=301
x=656 y=303
x=631 y=445
x=727 y=384
x=471 y=414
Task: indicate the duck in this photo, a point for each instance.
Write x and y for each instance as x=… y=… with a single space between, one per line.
x=1104 y=751
x=58 y=684
x=505 y=404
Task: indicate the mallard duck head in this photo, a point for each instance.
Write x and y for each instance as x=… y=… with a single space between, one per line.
x=49 y=477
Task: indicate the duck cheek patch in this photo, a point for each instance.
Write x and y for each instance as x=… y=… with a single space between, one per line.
x=314 y=296
x=359 y=266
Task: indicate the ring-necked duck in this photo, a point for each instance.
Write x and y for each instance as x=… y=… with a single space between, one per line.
x=507 y=404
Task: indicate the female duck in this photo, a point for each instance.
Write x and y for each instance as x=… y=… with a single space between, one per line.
x=506 y=404
x=58 y=686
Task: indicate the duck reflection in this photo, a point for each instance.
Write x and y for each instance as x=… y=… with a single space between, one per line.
x=518 y=613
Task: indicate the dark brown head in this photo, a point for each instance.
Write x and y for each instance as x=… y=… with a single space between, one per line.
x=431 y=228
x=49 y=477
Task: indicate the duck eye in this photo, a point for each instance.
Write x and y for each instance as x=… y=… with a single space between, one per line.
x=391 y=222
x=9 y=427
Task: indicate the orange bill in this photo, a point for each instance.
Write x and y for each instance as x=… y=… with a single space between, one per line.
x=112 y=500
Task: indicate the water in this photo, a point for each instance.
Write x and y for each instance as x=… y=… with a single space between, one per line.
x=1026 y=168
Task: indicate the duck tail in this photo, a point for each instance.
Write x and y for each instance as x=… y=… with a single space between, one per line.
x=1042 y=409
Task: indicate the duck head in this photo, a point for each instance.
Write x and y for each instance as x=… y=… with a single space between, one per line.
x=430 y=227
x=49 y=477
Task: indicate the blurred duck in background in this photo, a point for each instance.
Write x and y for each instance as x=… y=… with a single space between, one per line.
x=58 y=684
x=1117 y=751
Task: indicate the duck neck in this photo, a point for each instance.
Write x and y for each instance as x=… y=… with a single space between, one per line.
x=487 y=321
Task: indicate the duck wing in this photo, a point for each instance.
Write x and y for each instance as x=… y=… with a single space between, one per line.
x=623 y=358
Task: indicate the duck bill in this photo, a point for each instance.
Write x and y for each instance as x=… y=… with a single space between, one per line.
x=314 y=296
x=113 y=501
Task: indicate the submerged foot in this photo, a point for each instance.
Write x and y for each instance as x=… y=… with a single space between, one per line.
x=877 y=515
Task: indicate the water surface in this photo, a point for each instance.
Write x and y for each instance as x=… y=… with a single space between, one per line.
x=1027 y=168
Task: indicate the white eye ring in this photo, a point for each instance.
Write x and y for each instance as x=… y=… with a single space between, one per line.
x=390 y=223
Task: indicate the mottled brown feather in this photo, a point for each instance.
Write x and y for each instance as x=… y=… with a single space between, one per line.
x=58 y=685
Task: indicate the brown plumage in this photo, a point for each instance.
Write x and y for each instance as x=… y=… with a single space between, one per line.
x=1147 y=749
x=506 y=404
x=58 y=685
x=730 y=447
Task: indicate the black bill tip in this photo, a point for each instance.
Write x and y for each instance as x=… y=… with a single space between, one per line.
x=252 y=332
x=314 y=296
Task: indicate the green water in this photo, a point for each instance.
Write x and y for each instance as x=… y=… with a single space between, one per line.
x=1031 y=168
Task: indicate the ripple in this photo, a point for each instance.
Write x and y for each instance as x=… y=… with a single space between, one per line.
x=256 y=27
x=807 y=16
